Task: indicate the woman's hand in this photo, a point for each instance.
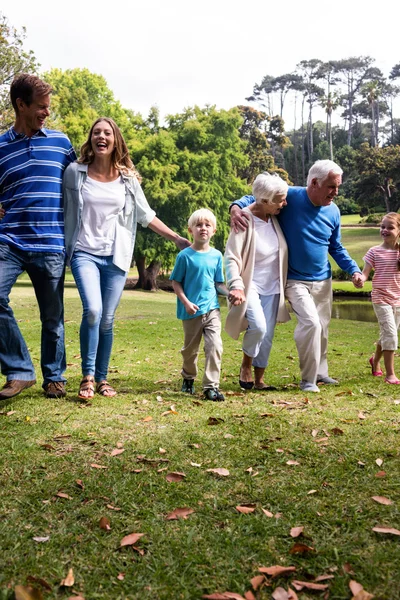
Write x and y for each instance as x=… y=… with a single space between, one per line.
x=182 y=243
x=236 y=297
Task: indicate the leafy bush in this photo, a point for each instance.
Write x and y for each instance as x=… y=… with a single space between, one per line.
x=347 y=206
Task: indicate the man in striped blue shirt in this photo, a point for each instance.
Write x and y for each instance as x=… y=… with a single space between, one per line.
x=32 y=162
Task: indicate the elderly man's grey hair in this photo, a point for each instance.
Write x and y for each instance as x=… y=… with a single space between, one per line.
x=266 y=186
x=321 y=169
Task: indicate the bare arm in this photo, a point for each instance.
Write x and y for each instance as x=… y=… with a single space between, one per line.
x=239 y=219
x=362 y=277
x=190 y=307
x=159 y=227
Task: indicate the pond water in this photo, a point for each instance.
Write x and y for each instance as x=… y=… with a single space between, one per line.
x=359 y=309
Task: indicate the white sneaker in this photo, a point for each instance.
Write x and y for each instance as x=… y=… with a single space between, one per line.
x=307 y=386
x=328 y=380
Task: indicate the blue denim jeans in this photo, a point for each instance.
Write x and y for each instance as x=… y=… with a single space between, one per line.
x=100 y=284
x=46 y=271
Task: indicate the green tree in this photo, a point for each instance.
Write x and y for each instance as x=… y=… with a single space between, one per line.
x=13 y=60
x=378 y=176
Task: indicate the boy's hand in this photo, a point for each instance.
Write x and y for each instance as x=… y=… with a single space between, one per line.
x=191 y=308
x=236 y=297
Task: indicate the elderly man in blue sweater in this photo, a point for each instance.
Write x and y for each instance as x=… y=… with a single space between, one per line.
x=311 y=225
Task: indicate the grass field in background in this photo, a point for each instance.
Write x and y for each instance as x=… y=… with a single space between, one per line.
x=314 y=461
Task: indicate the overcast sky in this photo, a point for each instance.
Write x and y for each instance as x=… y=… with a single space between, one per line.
x=177 y=53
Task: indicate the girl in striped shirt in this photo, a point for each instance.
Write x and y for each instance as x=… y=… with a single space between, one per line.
x=385 y=260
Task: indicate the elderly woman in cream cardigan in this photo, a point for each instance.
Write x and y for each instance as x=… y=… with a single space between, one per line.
x=256 y=270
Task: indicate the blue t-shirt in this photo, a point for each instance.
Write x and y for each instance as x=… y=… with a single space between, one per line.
x=311 y=233
x=198 y=272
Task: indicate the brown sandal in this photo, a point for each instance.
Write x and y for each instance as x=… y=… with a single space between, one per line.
x=86 y=385
x=105 y=389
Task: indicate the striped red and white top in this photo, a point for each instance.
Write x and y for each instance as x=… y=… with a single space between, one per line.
x=386 y=279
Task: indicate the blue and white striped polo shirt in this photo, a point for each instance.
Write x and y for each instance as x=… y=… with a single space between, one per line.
x=31 y=170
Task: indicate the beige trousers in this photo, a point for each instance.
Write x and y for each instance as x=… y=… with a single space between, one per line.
x=311 y=302
x=209 y=327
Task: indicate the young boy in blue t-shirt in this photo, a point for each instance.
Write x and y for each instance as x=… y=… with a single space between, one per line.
x=196 y=278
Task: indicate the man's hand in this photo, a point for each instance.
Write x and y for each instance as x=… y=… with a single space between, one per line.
x=239 y=219
x=191 y=308
x=182 y=243
x=358 y=280
x=236 y=297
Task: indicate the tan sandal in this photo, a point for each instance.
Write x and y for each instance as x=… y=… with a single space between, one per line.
x=86 y=388
x=105 y=389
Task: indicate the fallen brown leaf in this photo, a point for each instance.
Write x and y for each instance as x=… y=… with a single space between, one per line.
x=292 y=462
x=69 y=580
x=312 y=492
x=179 y=513
x=215 y=421
x=147 y=419
x=246 y=508
x=249 y=595
x=257 y=581
x=27 y=593
x=267 y=513
x=223 y=596
x=355 y=587
x=362 y=595
x=277 y=570
x=96 y=466
x=47 y=446
x=40 y=581
x=111 y=507
x=337 y=431
x=347 y=568
x=292 y=594
x=380 y=474
x=390 y=530
x=300 y=549
x=117 y=451
x=80 y=483
x=62 y=495
x=104 y=523
x=76 y=598
x=131 y=539
x=299 y=585
x=324 y=577
x=221 y=472
x=361 y=415
x=174 y=477
x=121 y=576
x=296 y=531
x=41 y=539
x=280 y=594
x=162 y=450
x=382 y=500
x=379 y=462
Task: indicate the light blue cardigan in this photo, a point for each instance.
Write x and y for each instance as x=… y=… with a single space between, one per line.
x=136 y=210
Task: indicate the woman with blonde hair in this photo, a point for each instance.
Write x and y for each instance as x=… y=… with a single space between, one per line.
x=103 y=202
x=256 y=268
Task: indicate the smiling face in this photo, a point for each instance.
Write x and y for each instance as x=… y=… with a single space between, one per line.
x=274 y=206
x=322 y=194
x=32 y=117
x=390 y=232
x=102 y=139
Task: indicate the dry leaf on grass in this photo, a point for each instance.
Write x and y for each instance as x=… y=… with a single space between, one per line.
x=292 y=594
x=324 y=577
x=47 y=447
x=80 y=483
x=39 y=580
x=121 y=576
x=223 y=596
x=96 y=466
x=179 y=513
x=337 y=431
x=355 y=587
x=41 y=539
x=292 y=462
x=111 y=507
x=362 y=595
x=267 y=513
x=76 y=597
x=69 y=580
x=162 y=451
x=131 y=539
x=296 y=531
x=382 y=500
x=174 y=477
x=311 y=492
x=221 y=472
x=249 y=595
x=215 y=421
x=299 y=585
x=104 y=523
x=27 y=593
x=246 y=508
x=147 y=419
x=390 y=530
x=380 y=474
x=314 y=432
x=117 y=451
x=301 y=549
x=277 y=570
x=379 y=462
x=62 y=495
x=347 y=568
x=280 y=594
x=361 y=415
x=257 y=581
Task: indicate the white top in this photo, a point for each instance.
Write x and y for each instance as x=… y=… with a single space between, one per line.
x=102 y=201
x=266 y=259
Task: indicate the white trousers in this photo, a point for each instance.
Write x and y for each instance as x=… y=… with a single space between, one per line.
x=311 y=302
x=261 y=313
x=389 y=322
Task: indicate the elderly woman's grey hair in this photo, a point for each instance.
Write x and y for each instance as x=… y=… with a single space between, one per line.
x=321 y=169
x=267 y=186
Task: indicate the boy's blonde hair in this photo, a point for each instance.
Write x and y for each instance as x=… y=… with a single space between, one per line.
x=203 y=214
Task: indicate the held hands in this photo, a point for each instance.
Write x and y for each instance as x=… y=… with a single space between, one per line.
x=191 y=308
x=358 y=280
x=239 y=219
x=236 y=297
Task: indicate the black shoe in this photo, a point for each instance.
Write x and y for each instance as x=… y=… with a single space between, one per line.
x=188 y=386
x=246 y=385
x=214 y=395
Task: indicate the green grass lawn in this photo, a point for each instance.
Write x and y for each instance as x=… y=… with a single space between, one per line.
x=308 y=461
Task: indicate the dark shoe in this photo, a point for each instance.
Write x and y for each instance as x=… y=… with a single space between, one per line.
x=327 y=380
x=214 y=395
x=188 y=386
x=55 y=389
x=246 y=385
x=14 y=387
x=265 y=387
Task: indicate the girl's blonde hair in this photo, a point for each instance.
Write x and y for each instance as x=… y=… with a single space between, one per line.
x=120 y=156
x=203 y=214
